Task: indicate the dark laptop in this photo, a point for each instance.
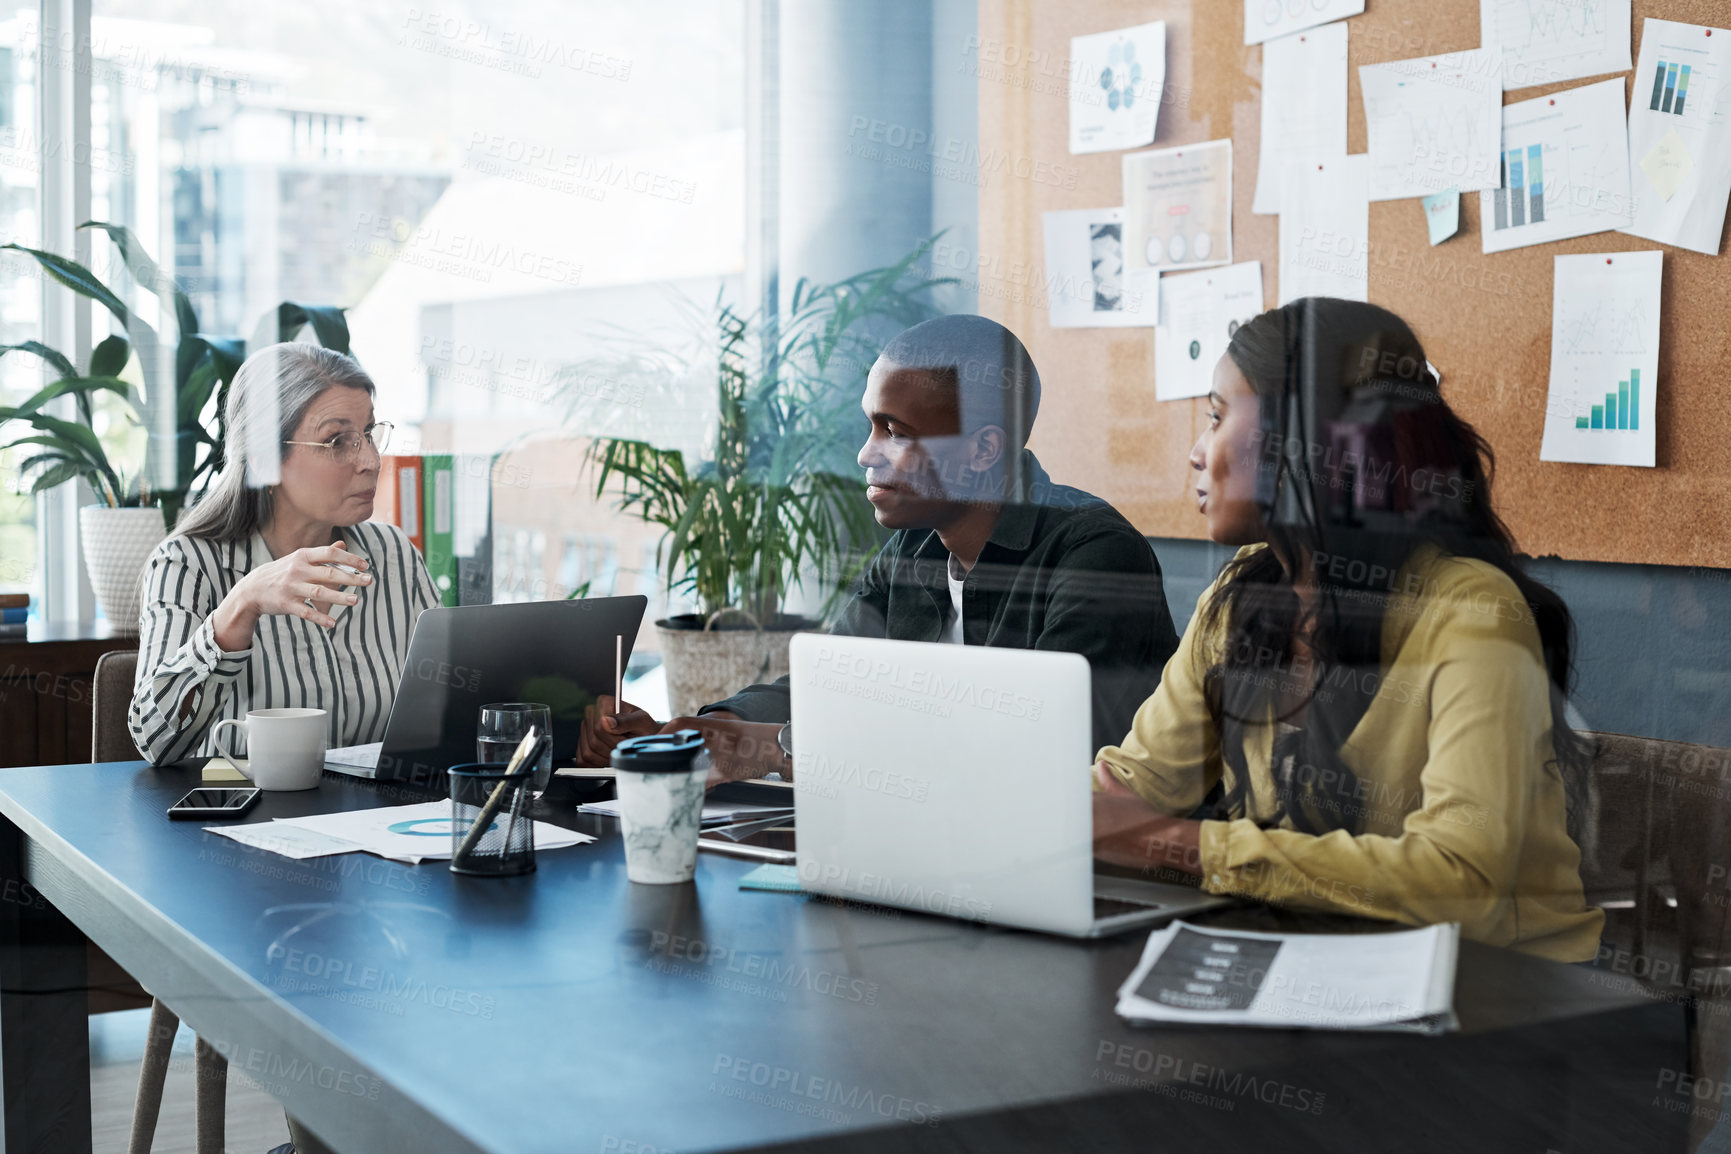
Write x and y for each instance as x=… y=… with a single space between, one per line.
x=557 y=653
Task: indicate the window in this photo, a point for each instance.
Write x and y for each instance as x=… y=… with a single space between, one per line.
x=20 y=286
x=502 y=198
x=493 y=198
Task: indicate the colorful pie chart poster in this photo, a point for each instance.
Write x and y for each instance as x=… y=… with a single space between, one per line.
x=1116 y=79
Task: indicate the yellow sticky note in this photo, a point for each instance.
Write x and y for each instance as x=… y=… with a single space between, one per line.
x=222 y=769
x=1668 y=165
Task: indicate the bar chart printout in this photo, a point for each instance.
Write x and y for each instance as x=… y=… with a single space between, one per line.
x=1621 y=410
x=1670 y=87
x=1565 y=169
x=1521 y=200
x=1679 y=130
x=1604 y=359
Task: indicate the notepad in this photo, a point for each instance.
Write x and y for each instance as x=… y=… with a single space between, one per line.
x=779 y=878
x=222 y=770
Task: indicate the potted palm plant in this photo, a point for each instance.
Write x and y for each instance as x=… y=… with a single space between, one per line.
x=775 y=495
x=133 y=515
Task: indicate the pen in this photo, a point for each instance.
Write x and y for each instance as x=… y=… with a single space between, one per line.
x=533 y=758
x=492 y=807
x=618 y=672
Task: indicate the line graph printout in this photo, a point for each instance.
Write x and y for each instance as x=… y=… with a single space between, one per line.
x=1604 y=359
x=1434 y=123
x=1547 y=41
x=1565 y=169
x=1680 y=135
x=1267 y=19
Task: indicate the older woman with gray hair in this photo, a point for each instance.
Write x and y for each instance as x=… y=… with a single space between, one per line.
x=274 y=590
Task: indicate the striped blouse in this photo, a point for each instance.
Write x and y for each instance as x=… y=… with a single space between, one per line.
x=351 y=670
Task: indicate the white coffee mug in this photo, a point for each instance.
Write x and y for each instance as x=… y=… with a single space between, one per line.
x=285 y=747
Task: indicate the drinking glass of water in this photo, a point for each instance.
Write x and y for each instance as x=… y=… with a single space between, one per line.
x=503 y=725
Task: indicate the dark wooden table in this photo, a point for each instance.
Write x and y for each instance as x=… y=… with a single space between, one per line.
x=45 y=693
x=398 y=1008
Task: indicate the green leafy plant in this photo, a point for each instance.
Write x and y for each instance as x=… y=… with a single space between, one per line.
x=777 y=493
x=201 y=369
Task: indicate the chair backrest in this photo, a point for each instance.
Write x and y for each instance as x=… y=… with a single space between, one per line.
x=1666 y=804
x=110 y=700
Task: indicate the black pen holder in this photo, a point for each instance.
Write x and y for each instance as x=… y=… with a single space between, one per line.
x=492 y=834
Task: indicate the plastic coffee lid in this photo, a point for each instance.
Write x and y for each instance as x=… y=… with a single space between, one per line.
x=659 y=752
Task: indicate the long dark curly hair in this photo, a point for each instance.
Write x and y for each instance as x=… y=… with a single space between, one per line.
x=1358 y=461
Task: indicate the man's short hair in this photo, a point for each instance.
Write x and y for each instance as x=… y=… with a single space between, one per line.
x=994 y=378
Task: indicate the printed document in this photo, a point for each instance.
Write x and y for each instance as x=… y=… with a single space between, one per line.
x=1268 y=19
x=1116 y=81
x=1565 y=169
x=1303 y=106
x=1178 y=208
x=1680 y=135
x=1086 y=283
x=1548 y=41
x=1402 y=980
x=1325 y=230
x=1199 y=312
x=1433 y=123
x=1603 y=399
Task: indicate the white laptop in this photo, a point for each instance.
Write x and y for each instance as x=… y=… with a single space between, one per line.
x=955 y=780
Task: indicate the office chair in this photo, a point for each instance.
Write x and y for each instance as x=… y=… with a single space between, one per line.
x=110 y=740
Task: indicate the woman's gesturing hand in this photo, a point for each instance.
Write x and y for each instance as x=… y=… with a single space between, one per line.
x=285 y=587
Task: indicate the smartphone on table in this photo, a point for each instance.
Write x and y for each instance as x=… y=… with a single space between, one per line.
x=215 y=802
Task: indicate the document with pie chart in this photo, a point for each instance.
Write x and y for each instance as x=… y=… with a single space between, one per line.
x=1177 y=210
x=1116 y=81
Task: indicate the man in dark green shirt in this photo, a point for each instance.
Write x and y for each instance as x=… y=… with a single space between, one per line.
x=986 y=549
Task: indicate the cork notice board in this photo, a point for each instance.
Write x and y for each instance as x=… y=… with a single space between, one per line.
x=1484 y=320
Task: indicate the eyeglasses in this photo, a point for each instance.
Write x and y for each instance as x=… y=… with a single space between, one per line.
x=346 y=446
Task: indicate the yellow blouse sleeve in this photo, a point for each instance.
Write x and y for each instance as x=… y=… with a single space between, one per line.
x=1476 y=652
x=1171 y=756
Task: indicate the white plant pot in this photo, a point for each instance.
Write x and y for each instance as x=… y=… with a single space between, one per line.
x=704 y=667
x=117 y=543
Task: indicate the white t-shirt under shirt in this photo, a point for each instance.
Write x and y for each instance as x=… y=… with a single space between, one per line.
x=952 y=634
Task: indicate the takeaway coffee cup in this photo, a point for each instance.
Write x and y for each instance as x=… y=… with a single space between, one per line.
x=285 y=747
x=660 y=779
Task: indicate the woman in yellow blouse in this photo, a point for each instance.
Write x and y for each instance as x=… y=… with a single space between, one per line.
x=1366 y=712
